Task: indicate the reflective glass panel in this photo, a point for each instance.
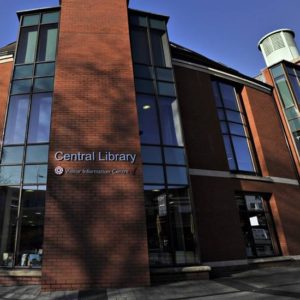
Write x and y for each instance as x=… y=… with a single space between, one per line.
x=148 y=123
x=242 y=153
x=9 y=202
x=51 y=17
x=177 y=175
x=140 y=47
x=12 y=155
x=229 y=96
x=158 y=226
x=164 y=74
x=151 y=154
x=40 y=118
x=10 y=175
x=233 y=116
x=158 y=24
x=296 y=87
x=160 y=48
x=166 y=89
x=153 y=174
x=32 y=227
x=138 y=20
x=16 y=120
x=295 y=124
x=277 y=71
x=43 y=84
x=23 y=71
x=47 y=69
x=31 y=20
x=292 y=112
x=170 y=122
x=285 y=93
x=47 y=42
x=143 y=71
x=236 y=129
x=37 y=154
x=174 y=156
x=35 y=174
x=144 y=86
x=27 y=45
x=229 y=153
x=21 y=86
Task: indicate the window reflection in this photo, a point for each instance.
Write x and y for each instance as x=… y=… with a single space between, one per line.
x=170 y=122
x=9 y=202
x=47 y=42
x=40 y=118
x=32 y=223
x=16 y=120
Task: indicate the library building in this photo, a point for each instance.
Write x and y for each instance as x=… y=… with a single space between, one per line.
x=129 y=160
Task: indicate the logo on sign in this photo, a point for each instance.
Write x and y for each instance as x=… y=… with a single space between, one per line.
x=59 y=170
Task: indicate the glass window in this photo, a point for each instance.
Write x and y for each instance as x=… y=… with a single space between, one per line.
x=164 y=74
x=158 y=24
x=35 y=174
x=16 y=120
x=31 y=20
x=23 y=71
x=170 y=122
x=151 y=154
x=140 y=47
x=295 y=124
x=229 y=153
x=242 y=153
x=47 y=42
x=51 y=17
x=32 y=227
x=174 y=156
x=37 y=154
x=224 y=127
x=153 y=174
x=143 y=71
x=166 y=89
x=47 y=69
x=9 y=203
x=21 y=86
x=160 y=48
x=158 y=226
x=296 y=86
x=285 y=93
x=228 y=96
x=177 y=175
x=27 y=45
x=296 y=135
x=138 y=20
x=236 y=129
x=257 y=226
x=277 y=71
x=148 y=122
x=10 y=175
x=43 y=84
x=144 y=86
x=233 y=116
x=12 y=155
x=292 y=112
x=40 y=118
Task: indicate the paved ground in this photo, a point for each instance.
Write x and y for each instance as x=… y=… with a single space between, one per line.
x=269 y=283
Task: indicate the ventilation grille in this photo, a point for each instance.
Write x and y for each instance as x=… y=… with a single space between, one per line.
x=290 y=40
x=273 y=43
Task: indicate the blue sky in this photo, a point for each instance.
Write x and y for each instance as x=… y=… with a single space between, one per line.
x=224 y=30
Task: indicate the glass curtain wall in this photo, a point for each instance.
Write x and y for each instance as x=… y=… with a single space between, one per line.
x=171 y=234
x=287 y=80
x=24 y=154
x=235 y=129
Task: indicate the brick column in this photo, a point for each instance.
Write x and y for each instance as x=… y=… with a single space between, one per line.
x=95 y=233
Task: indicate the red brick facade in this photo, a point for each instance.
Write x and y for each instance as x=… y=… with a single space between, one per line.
x=5 y=71
x=95 y=234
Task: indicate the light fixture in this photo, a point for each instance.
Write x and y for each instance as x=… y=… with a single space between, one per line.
x=146 y=106
x=155 y=190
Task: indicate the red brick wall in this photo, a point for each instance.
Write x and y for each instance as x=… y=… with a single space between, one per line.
x=5 y=75
x=95 y=233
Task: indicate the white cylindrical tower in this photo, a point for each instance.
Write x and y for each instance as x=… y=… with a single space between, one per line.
x=278 y=45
